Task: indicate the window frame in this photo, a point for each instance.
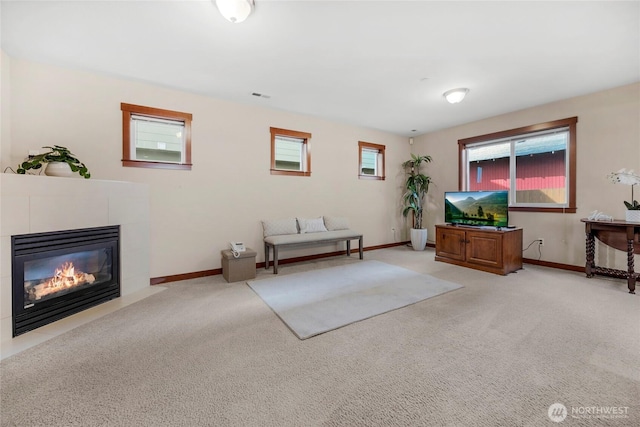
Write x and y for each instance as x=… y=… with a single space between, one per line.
x=305 y=137
x=371 y=146
x=157 y=113
x=569 y=123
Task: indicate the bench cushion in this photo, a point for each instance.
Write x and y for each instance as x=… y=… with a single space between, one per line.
x=287 y=239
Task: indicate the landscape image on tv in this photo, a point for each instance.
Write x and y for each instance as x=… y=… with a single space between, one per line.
x=477 y=208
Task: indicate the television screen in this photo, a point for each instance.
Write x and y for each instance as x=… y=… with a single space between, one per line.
x=477 y=208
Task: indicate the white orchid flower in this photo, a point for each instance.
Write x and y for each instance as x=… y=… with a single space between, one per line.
x=624 y=176
x=629 y=177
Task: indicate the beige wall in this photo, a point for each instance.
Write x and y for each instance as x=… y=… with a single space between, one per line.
x=608 y=138
x=5 y=102
x=195 y=213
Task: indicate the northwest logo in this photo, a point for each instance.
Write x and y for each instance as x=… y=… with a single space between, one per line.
x=557 y=412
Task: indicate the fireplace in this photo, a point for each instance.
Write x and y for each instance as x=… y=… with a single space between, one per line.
x=57 y=274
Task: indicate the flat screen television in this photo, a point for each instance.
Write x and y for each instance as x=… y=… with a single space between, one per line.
x=477 y=208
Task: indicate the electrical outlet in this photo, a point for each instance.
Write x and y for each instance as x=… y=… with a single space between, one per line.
x=541 y=241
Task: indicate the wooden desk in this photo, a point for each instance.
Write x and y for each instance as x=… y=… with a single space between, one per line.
x=618 y=234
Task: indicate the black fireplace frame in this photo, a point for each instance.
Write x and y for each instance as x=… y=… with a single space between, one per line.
x=27 y=247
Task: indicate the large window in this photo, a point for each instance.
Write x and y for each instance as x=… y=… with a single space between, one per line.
x=290 y=152
x=371 y=160
x=537 y=164
x=155 y=138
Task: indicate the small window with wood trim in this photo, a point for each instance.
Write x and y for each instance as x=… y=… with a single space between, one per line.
x=371 y=161
x=155 y=138
x=290 y=152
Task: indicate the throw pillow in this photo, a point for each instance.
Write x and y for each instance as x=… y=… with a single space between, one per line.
x=336 y=223
x=314 y=225
x=278 y=227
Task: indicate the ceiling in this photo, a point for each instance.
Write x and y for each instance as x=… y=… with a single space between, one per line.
x=377 y=64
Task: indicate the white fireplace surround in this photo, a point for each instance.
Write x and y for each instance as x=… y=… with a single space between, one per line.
x=36 y=204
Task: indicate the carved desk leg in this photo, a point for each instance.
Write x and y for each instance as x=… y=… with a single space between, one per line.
x=591 y=250
x=631 y=278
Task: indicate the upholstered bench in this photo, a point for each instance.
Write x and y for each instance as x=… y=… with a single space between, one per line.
x=293 y=232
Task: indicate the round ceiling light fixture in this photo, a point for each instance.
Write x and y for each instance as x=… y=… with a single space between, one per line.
x=456 y=95
x=235 y=11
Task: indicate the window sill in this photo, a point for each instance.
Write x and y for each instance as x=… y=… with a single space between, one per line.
x=156 y=165
x=289 y=173
x=371 y=177
x=540 y=209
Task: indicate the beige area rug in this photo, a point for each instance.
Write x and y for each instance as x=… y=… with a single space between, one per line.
x=319 y=301
x=205 y=352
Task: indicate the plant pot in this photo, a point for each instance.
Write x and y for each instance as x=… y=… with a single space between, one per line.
x=633 y=216
x=58 y=169
x=418 y=238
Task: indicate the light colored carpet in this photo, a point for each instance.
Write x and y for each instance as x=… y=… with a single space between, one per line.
x=318 y=301
x=209 y=353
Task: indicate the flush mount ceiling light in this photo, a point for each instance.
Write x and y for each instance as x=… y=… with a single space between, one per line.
x=456 y=95
x=235 y=11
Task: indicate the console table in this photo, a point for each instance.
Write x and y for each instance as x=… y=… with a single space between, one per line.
x=618 y=234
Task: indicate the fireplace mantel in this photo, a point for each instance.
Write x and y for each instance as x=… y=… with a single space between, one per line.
x=37 y=204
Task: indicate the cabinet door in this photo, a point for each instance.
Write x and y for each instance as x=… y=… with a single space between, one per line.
x=450 y=243
x=484 y=248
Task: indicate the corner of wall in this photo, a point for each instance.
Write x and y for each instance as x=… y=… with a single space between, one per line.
x=5 y=110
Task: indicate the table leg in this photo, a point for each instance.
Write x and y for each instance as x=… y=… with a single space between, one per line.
x=348 y=247
x=631 y=278
x=590 y=251
x=275 y=259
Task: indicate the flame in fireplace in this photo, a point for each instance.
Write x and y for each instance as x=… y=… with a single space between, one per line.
x=65 y=277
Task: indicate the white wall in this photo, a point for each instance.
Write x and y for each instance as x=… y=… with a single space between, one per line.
x=195 y=213
x=608 y=138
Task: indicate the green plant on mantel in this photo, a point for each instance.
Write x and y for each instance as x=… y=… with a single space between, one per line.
x=628 y=177
x=56 y=153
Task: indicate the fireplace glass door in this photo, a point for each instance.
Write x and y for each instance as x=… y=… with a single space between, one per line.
x=61 y=273
x=52 y=277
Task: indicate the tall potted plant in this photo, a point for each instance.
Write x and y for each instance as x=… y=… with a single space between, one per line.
x=416 y=186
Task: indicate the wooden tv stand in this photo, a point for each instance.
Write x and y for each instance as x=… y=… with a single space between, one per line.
x=491 y=250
